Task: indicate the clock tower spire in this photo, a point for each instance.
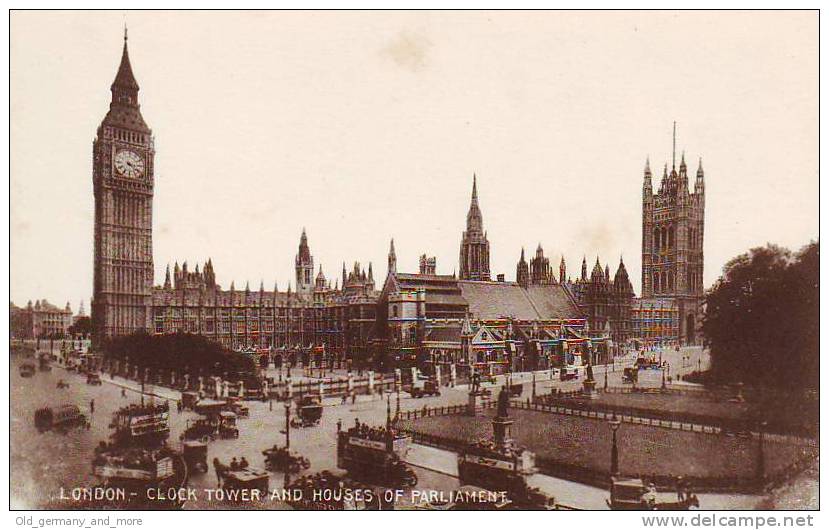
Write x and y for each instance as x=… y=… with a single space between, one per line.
x=122 y=181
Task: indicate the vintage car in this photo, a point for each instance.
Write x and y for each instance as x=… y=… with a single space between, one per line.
x=61 y=384
x=227 y=425
x=27 y=370
x=568 y=373
x=195 y=455
x=60 y=418
x=93 y=379
x=309 y=413
x=630 y=494
x=428 y=388
x=283 y=459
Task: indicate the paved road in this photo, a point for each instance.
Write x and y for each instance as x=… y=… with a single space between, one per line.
x=42 y=464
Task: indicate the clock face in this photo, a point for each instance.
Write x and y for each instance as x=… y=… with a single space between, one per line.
x=129 y=164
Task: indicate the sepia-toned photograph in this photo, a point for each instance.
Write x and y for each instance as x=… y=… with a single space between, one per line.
x=414 y=261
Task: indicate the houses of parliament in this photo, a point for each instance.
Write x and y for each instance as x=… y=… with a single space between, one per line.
x=406 y=317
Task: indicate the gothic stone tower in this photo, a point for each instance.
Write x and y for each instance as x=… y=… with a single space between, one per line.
x=122 y=176
x=304 y=265
x=474 y=256
x=673 y=222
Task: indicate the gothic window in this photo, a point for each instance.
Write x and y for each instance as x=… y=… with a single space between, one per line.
x=394 y=311
x=670 y=281
x=656 y=284
x=671 y=237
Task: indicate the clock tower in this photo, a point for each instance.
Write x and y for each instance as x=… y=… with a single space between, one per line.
x=122 y=176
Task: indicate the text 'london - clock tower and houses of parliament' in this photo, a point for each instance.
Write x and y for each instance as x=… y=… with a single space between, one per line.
x=410 y=317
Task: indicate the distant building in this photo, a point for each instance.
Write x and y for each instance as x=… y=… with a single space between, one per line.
x=40 y=320
x=318 y=317
x=604 y=302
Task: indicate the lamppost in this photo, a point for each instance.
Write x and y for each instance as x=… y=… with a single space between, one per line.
x=614 y=450
x=287 y=424
x=533 y=385
x=699 y=364
x=761 y=458
x=605 y=376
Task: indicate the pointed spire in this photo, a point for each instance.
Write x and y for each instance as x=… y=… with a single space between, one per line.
x=700 y=173
x=392 y=259
x=522 y=254
x=648 y=165
x=261 y=285
x=673 y=160
x=370 y=273
x=474 y=219
x=125 y=79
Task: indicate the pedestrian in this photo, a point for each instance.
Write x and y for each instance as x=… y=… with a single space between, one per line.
x=217 y=465
x=681 y=493
x=243 y=463
x=92 y=406
x=345 y=397
x=353 y=397
x=234 y=464
x=123 y=392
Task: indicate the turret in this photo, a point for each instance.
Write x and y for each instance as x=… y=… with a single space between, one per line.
x=167 y=284
x=522 y=271
x=584 y=269
x=647 y=185
x=562 y=271
x=699 y=185
x=392 y=264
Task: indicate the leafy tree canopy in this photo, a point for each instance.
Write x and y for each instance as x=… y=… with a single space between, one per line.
x=180 y=352
x=762 y=318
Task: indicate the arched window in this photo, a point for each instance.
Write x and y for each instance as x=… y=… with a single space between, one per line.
x=671 y=237
x=664 y=236
x=656 y=286
x=394 y=311
x=656 y=241
x=670 y=281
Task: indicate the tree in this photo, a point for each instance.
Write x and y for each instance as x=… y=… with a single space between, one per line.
x=180 y=350
x=761 y=318
x=82 y=327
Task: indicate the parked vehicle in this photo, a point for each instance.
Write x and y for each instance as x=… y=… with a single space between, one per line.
x=93 y=379
x=61 y=384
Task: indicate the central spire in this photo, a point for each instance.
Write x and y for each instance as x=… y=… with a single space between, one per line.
x=474 y=219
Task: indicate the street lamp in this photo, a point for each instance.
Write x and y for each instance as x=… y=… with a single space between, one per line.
x=287 y=424
x=761 y=459
x=533 y=385
x=605 y=376
x=614 y=450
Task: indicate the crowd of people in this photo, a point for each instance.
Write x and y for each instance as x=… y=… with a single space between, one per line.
x=362 y=430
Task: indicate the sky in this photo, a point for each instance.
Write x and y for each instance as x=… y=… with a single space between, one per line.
x=363 y=126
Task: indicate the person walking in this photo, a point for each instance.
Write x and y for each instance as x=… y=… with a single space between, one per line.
x=92 y=406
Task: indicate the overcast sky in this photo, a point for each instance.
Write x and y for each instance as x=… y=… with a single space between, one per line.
x=365 y=126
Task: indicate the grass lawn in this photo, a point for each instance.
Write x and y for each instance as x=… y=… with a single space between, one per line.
x=643 y=450
x=692 y=403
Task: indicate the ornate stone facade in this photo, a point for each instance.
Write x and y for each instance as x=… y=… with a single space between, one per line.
x=673 y=223
x=122 y=175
